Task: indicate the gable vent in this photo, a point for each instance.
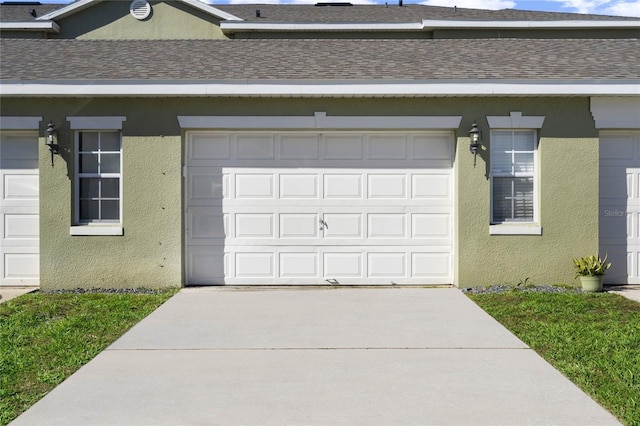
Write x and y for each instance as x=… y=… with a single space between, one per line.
x=140 y=9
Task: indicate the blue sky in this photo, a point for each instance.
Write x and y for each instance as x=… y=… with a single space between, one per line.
x=602 y=7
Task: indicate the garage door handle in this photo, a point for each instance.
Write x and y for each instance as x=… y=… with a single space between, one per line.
x=323 y=225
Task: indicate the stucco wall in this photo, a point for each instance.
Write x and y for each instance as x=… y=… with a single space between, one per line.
x=151 y=251
x=111 y=20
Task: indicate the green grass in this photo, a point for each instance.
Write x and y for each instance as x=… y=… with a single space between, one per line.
x=44 y=338
x=593 y=339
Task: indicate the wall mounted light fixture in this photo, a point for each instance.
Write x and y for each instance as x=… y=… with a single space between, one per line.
x=52 y=140
x=475 y=141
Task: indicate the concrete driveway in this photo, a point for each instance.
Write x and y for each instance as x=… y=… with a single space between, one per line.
x=387 y=356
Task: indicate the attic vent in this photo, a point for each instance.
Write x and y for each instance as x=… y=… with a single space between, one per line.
x=140 y=9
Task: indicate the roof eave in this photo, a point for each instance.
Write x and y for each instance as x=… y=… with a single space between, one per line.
x=230 y=27
x=318 y=88
x=524 y=25
x=46 y=26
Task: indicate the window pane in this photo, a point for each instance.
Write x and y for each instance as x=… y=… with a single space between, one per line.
x=523 y=163
x=512 y=200
x=89 y=188
x=88 y=141
x=501 y=152
x=110 y=141
x=110 y=188
x=110 y=163
x=523 y=141
x=110 y=210
x=523 y=199
x=88 y=163
x=89 y=210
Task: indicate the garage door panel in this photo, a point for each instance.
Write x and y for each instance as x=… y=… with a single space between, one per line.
x=342 y=226
x=431 y=186
x=254 y=186
x=386 y=225
x=431 y=148
x=19 y=215
x=299 y=186
x=299 y=265
x=619 y=224
x=310 y=208
x=254 y=265
x=387 y=265
x=387 y=147
x=258 y=225
x=343 y=147
x=299 y=225
x=299 y=147
x=255 y=147
x=343 y=186
x=387 y=186
x=206 y=188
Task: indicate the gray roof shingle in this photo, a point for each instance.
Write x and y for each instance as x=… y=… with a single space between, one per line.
x=21 y=12
x=357 y=13
x=188 y=60
x=392 y=13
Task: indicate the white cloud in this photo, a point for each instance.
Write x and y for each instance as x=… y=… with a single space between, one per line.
x=473 y=4
x=259 y=2
x=623 y=8
x=583 y=6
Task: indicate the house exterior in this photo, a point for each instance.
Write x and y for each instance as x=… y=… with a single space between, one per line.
x=198 y=144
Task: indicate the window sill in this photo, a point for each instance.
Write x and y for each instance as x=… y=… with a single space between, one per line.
x=96 y=230
x=524 y=229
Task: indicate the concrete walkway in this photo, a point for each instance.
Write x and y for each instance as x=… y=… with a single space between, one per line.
x=319 y=356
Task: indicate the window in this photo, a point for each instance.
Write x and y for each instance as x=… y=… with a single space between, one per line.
x=98 y=172
x=513 y=173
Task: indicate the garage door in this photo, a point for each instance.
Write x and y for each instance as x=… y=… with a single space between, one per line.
x=19 y=229
x=620 y=205
x=318 y=208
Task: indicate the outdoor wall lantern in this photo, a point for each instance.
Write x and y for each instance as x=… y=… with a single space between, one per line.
x=51 y=140
x=475 y=141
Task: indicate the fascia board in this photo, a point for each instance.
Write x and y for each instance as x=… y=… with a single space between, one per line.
x=48 y=26
x=67 y=10
x=82 y=4
x=331 y=26
x=371 y=88
x=435 y=24
x=211 y=10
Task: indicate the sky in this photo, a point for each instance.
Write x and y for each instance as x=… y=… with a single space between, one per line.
x=599 y=7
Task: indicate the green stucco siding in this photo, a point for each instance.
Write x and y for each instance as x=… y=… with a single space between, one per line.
x=111 y=20
x=568 y=205
x=151 y=251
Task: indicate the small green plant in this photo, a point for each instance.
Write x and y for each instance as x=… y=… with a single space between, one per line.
x=591 y=266
x=524 y=283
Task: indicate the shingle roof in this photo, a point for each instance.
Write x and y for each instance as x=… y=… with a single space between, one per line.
x=392 y=13
x=22 y=12
x=357 y=13
x=235 y=60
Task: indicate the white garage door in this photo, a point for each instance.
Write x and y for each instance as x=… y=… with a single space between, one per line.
x=19 y=228
x=318 y=208
x=620 y=205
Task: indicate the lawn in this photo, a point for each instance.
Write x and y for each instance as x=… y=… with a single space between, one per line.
x=593 y=339
x=44 y=338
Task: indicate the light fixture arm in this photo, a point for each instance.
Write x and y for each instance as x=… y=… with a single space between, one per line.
x=51 y=140
x=475 y=141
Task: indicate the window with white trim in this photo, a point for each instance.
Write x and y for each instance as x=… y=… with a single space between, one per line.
x=513 y=176
x=98 y=186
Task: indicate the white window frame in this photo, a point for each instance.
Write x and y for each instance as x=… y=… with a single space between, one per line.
x=515 y=122
x=95 y=125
